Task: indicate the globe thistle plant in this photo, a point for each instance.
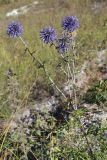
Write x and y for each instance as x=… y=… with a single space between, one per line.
x=48 y=35
x=63 y=44
x=70 y=100
x=14 y=29
x=70 y=23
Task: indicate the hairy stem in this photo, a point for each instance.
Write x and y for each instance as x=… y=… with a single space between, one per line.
x=74 y=82
x=42 y=66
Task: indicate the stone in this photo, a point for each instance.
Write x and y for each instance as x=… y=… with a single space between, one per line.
x=21 y=10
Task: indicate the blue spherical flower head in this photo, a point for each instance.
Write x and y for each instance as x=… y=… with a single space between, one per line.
x=14 y=29
x=63 y=44
x=48 y=35
x=70 y=23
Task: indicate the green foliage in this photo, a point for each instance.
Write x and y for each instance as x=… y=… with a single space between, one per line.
x=97 y=93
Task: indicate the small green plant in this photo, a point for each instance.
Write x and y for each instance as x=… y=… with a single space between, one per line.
x=97 y=94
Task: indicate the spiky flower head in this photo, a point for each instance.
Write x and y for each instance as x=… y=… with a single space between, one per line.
x=48 y=35
x=70 y=23
x=63 y=44
x=14 y=29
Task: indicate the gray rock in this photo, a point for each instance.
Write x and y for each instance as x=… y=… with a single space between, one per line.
x=104 y=77
x=21 y=10
x=48 y=104
x=26 y=113
x=101 y=57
